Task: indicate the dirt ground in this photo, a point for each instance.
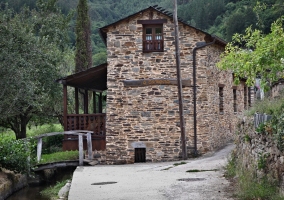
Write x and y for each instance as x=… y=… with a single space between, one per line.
x=199 y=179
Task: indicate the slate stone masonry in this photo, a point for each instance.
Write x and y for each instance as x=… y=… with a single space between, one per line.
x=148 y=116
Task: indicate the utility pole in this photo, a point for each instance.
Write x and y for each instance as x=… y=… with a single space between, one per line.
x=180 y=96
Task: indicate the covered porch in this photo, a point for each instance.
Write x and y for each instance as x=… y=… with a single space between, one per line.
x=84 y=114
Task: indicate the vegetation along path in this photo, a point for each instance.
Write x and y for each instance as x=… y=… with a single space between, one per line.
x=200 y=178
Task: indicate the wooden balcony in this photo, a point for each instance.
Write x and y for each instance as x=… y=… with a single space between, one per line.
x=153 y=45
x=93 y=122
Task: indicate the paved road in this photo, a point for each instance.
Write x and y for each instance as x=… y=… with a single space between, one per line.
x=154 y=181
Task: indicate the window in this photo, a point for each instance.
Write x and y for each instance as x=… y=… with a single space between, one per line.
x=153 y=38
x=221 y=100
x=235 y=100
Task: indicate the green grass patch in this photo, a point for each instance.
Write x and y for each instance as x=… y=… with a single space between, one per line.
x=167 y=168
x=251 y=188
x=32 y=131
x=247 y=186
x=205 y=170
x=59 y=156
x=231 y=167
x=46 y=128
x=267 y=105
x=181 y=163
x=52 y=191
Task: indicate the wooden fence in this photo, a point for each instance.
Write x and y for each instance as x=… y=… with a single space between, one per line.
x=260 y=118
x=79 y=133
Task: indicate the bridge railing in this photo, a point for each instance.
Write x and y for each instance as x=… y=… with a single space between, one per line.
x=79 y=133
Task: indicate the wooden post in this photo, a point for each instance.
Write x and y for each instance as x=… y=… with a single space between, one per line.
x=39 y=148
x=94 y=103
x=180 y=95
x=89 y=143
x=81 y=152
x=76 y=101
x=86 y=102
x=65 y=106
x=101 y=103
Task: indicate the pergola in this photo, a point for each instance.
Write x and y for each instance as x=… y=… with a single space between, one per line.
x=91 y=80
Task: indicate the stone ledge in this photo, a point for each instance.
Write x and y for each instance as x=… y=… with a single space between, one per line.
x=10 y=183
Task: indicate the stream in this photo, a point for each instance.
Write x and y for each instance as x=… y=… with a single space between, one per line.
x=29 y=193
x=32 y=192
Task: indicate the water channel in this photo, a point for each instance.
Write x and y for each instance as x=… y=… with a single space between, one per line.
x=32 y=192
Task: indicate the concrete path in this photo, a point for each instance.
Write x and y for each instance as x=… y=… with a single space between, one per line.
x=154 y=181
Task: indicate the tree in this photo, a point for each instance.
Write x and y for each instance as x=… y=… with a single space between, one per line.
x=83 y=57
x=254 y=54
x=29 y=64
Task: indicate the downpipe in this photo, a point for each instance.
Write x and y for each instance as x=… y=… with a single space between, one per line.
x=199 y=45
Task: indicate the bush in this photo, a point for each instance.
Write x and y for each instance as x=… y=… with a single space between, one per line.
x=52 y=144
x=17 y=155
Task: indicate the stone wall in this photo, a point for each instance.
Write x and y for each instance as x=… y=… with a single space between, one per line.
x=259 y=152
x=10 y=183
x=277 y=88
x=148 y=117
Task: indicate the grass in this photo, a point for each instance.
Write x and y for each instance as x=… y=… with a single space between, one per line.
x=52 y=191
x=181 y=163
x=197 y=170
x=267 y=105
x=247 y=186
x=175 y=164
x=250 y=188
x=32 y=131
x=59 y=156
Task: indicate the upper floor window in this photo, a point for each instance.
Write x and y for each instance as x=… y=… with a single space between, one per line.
x=153 y=39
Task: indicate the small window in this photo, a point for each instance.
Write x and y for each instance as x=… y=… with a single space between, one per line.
x=221 y=100
x=235 y=100
x=153 y=40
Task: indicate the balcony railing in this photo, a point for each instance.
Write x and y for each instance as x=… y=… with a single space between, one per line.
x=92 y=122
x=153 y=45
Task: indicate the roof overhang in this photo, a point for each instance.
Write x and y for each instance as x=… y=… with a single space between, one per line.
x=208 y=37
x=94 y=79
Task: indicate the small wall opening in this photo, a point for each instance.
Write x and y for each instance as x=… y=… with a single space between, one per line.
x=140 y=155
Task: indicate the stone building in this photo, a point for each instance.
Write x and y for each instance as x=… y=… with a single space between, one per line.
x=142 y=107
x=146 y=117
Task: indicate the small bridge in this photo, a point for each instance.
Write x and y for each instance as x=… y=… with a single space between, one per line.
x=80 y=162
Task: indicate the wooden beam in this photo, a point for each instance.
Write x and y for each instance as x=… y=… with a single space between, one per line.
x=94 y=103
x=81 y=152
x=179 y=81
x=101 y=103
x=146 y=82
x=65 y=107
x=39 y=148
x=154 y=21
x=86 y=102
x=76 y=101
x=89 y=144
x=56 y=165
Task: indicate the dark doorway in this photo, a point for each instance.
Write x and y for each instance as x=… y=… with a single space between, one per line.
x=140 y=155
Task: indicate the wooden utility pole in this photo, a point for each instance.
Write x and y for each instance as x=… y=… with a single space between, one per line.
x=180 y=96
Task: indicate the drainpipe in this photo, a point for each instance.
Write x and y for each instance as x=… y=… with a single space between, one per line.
x=199 y=45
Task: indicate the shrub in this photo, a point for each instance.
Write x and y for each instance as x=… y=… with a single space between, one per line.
x=17 y=155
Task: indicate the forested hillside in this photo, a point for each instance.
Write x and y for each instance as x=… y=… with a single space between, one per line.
x=220 y=17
